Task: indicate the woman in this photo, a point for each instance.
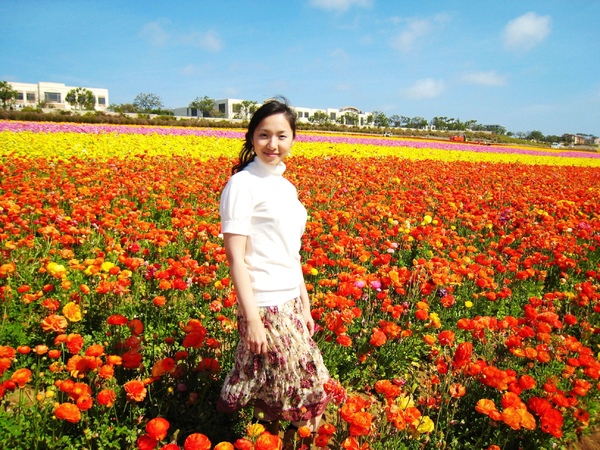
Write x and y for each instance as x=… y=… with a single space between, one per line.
x=278 y=367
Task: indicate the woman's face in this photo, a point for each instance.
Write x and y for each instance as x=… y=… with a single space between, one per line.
x=273 y=139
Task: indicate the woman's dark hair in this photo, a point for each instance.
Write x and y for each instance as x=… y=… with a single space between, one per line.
x=278 y=105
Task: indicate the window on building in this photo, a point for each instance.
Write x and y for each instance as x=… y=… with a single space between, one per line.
x=19 y=96
x=52 y=97
x=31 y=96
x=222 y=108
x=332 y=116
x=102 y=101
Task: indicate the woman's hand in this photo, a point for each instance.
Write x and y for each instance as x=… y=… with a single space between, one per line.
x=310 y=323
x=256 y=337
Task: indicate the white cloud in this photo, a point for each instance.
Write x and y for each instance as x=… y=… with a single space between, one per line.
x=425 y=88
x=339 y=56
x=155 y=33
x=340 y=5
x=526 y=31
x=209 y=41
x=415 y=30
x=490 y=78
x=189 y=70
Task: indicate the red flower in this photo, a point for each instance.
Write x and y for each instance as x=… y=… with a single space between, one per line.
x=446 y=338
x=197 y=441
x=267 y=441
x=135 y=390
x=106 y=397
x=462 y=355
x=117 y=319
x=146 y=442
x=21 y=377
x=378 y=338
x=157 y=428
x=68 y=412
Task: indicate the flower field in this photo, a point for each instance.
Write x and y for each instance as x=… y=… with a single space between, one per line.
x=456 y=288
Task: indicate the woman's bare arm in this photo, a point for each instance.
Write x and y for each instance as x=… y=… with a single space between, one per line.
x=235 y=249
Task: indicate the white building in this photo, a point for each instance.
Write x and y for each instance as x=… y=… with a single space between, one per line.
x=231 y=108
x=53 y=94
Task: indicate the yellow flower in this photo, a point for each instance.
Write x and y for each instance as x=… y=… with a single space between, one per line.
x=404 y=401
x=314 y=271
x=72 y=311
x=56 y=270
x=468 y=304
x=427 y=219
x=254 y=430
x=424 y=424
x=106 y=266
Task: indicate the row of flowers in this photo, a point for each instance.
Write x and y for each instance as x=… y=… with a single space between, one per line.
x=226 y=142
x=457 y=302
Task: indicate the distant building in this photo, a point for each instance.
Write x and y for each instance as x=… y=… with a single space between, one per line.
x=53 y=94
x=231 y=108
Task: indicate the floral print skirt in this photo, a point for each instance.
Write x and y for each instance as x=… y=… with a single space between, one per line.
x=287 y=382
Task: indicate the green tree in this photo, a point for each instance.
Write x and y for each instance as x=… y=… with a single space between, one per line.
x=380 y=119
x=319 y=117
x=396 y=121
x=535 y=136
x=245 y=109
x=349 y=118
x=147 y=102
x=123 y=108
x=7 y=94
x=81 y=98
x=205 y=104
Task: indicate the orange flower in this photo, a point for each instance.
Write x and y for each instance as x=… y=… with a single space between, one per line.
x=107 y=371
x=485 y=406
x=378 y=338
x=106 y=397
x=84 y=402
x=157 y=428
x=243 y=444
x=21 y=377
x=267 y=441
x=457 y=390
x=22 y=349
x=135 y=390
x=222 y=446
x=197 y=441
x=68 y=412
x=159 y=301
x=74 y=343
x=304 y=432
x=54 y=322
x=95 y=350
x=114 y=360
x=165 y=365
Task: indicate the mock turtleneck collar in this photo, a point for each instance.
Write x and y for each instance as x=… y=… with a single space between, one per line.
x=263 y=169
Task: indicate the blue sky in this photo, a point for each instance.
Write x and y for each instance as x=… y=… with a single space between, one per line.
x=525 y=65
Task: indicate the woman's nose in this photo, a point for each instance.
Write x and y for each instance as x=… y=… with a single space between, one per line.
x=272 y=143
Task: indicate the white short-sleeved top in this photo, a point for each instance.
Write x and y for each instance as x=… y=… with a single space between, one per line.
x=258 y=202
